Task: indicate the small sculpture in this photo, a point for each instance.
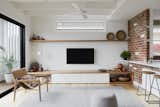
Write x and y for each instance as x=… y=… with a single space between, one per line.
x=37 y=37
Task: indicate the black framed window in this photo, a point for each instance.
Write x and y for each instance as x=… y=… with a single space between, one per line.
x=12 y=39
x=156 y=40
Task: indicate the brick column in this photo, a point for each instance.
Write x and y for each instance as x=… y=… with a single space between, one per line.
x=138 y=33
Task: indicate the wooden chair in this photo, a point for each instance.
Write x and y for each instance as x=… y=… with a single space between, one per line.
x=148 y=75
x=156 y=79
x=19 y=80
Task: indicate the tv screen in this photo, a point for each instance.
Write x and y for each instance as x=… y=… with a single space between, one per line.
x=80 y=56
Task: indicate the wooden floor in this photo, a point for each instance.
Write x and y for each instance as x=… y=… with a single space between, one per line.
x=7 y=101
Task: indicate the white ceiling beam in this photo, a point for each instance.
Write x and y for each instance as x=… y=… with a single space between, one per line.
x=130 y=8
x=59 y=12
x=119 y=4
x=94 y=5
x=60 y=7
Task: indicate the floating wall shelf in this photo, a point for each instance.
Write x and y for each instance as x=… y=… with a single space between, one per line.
x=45 y=41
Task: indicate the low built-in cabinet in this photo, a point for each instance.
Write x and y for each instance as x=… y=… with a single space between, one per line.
x=89 y=77
x=121 y=77
x=81 y=78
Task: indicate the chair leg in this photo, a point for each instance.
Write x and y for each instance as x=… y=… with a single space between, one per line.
x=151 y=86
x=137 y=90
x=158 y=90
x=150 y=81
x=47 y=83
x=14 y=98
x=39 y=87
x=146 y=88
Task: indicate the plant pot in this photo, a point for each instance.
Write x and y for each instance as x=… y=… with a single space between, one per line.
x=125 y=58
x=8 y=78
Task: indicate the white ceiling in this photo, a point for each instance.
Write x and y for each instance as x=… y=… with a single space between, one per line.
x=115 y=9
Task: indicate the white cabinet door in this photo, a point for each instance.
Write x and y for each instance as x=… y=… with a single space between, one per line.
x=81 y=78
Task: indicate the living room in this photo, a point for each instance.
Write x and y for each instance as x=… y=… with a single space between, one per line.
x=84 y=48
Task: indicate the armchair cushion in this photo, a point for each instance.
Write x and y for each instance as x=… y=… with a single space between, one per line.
x=28 y=81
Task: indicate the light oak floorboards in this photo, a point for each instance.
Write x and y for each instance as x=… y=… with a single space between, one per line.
x=7 y=101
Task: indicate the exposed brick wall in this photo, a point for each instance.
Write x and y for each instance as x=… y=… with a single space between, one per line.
x=137 y=27
x=137 y=72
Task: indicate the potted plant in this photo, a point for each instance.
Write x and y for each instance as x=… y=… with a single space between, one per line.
x=125 y=55
x=9 y=62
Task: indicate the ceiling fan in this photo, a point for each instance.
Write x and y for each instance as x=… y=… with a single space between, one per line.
x=81 y=11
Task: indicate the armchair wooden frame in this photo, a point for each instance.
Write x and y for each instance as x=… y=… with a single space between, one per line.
x=17 y=74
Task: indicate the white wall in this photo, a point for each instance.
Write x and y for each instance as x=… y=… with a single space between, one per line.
x=7 y=9
x=156 y=14
x=45 y=26
x=53 y=55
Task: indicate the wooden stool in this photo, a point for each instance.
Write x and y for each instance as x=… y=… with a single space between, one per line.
x=147 y=73
x=156 y=77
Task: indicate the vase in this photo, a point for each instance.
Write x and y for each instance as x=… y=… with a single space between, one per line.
x=8 y=78
x=125 y=58
x=8 y=75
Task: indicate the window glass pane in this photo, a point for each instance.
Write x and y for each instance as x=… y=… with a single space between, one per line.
x=10 y=41
x=156 y=33
x=81 y=25
x=156 y=41
x=156 y=48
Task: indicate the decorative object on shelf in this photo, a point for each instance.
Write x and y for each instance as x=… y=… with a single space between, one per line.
x=114 y=79
x=37 y=37
x=110 y=36
x=117 y=70
x=121 y=35
x=103 y=70
x=35 y=66
x=123 y=79
x=121 y=67
x=41 y=68
x=9 y=62
x=125 y=55
x=119 y=76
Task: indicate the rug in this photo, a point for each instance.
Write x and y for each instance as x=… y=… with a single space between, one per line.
x=79 y=97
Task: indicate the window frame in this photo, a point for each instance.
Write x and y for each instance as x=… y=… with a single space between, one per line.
x=156 y=23
x=22 y=46
x=22 y=38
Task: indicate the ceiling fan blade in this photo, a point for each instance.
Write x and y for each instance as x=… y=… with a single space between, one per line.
x=75 y=6
x=81 y=11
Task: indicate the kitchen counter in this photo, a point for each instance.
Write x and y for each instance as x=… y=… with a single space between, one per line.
x=155 y=64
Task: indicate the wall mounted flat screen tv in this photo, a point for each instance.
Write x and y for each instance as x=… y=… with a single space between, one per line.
x=80 y=55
